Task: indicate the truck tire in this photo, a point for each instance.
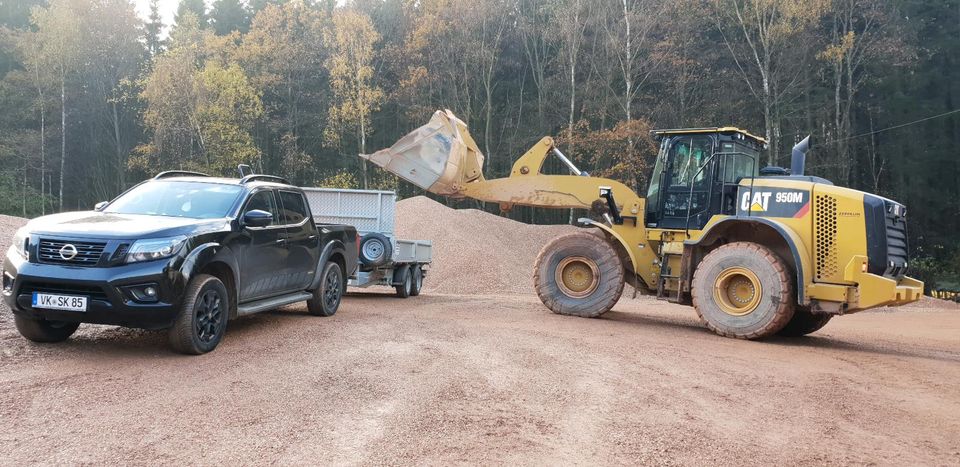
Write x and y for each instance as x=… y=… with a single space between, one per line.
x=202 y=320
x=416 y=283
x=326 y=298
x=804 y=322
x=579 y=274
x=375 y=249
x=43 y=330
x=743 y=290
x=404 y=282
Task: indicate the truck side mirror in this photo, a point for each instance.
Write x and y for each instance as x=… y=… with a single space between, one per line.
x=99 y=206
x=257 y=218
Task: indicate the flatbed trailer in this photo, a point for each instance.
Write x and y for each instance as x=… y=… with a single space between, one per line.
x=385 y=260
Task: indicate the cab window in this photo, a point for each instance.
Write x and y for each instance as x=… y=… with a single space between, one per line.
x=739 y=162
x=263 y=201
x=688 y=155
x=293 y=210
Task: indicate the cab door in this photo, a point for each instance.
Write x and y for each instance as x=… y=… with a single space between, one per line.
x=684 y=183
x=264 y=253
x=302 y=240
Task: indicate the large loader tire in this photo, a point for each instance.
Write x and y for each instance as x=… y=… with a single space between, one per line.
x=743 y=290
x=579 y=274
x=804 y=322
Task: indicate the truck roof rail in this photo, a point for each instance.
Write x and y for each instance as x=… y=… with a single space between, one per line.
x=264 y=178
x=179 y=173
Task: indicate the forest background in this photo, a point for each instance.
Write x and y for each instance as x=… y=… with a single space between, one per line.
x=94 y=98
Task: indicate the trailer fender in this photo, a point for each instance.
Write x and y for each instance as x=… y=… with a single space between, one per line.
x=789 y=236
x=400 y=274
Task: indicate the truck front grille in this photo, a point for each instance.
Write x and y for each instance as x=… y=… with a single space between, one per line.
x=62 y=252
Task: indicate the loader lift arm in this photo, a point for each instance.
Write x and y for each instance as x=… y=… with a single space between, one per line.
x=443 y=158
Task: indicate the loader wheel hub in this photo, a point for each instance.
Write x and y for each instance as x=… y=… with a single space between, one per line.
x=578 y=276
x=737 y=291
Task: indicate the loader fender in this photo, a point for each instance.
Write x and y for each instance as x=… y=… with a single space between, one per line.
x=633 y=258
x=792 y=240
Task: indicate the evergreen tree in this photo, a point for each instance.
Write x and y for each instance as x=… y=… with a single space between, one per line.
x=227 y=16
x=153 y=28
x=197 y=7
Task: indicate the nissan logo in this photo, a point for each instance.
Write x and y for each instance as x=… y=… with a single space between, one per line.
x=68 y=252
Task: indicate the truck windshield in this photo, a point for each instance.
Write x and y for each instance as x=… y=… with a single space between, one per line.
x=196 y=200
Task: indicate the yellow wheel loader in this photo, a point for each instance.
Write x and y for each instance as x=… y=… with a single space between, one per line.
x=755 y=252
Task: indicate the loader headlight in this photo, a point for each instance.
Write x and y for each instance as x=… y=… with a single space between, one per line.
x=154 y=248
x=21 y=240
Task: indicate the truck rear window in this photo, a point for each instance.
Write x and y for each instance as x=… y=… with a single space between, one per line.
x=195 y=200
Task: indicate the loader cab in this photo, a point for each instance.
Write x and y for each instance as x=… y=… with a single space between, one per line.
x=696 y=175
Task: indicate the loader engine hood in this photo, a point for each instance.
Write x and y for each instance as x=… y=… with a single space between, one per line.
x=836 y=223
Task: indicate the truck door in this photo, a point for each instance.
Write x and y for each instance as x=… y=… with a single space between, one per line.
x=264 y=254
x=303 y=240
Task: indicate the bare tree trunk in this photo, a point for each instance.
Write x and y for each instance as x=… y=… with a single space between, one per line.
x=23 y=196
x=63 y=132
x=43 y=141
x=119 y=148
x=363 y=150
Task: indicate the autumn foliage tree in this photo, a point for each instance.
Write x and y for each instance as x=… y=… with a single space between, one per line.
x=351 y=42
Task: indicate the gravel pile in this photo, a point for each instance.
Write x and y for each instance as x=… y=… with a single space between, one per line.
x=474 y=252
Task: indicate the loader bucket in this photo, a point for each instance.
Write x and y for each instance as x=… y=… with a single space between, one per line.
x=439 y=157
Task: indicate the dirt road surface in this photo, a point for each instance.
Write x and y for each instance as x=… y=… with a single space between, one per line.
x=486 y=379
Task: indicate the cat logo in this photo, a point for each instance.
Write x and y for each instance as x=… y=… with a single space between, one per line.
x=759 y=203
x=773 y=203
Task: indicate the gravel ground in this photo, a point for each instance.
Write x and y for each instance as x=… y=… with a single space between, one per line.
x=488 y=379
x=444 y=379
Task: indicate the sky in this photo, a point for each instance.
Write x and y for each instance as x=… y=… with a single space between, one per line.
x=167 y=10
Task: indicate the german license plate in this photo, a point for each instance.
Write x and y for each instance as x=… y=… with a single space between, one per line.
x=59 y=302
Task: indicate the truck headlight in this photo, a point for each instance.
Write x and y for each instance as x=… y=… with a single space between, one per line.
x=154 y=248
x=21 y=240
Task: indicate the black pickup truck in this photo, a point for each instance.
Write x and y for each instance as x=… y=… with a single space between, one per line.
x=182 y=251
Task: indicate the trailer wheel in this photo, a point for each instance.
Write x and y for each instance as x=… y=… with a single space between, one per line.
x=743 y=290
x=405 y=283
x=375 y=249
x=416 y=283
x=579 y=274
x=804 y=322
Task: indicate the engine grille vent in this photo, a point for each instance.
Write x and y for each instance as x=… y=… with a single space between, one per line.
x=95 y=293
x=826 y=236
x=896 y=227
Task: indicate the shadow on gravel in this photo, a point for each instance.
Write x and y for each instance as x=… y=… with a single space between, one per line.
x=890 y=349
x=807 y=342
